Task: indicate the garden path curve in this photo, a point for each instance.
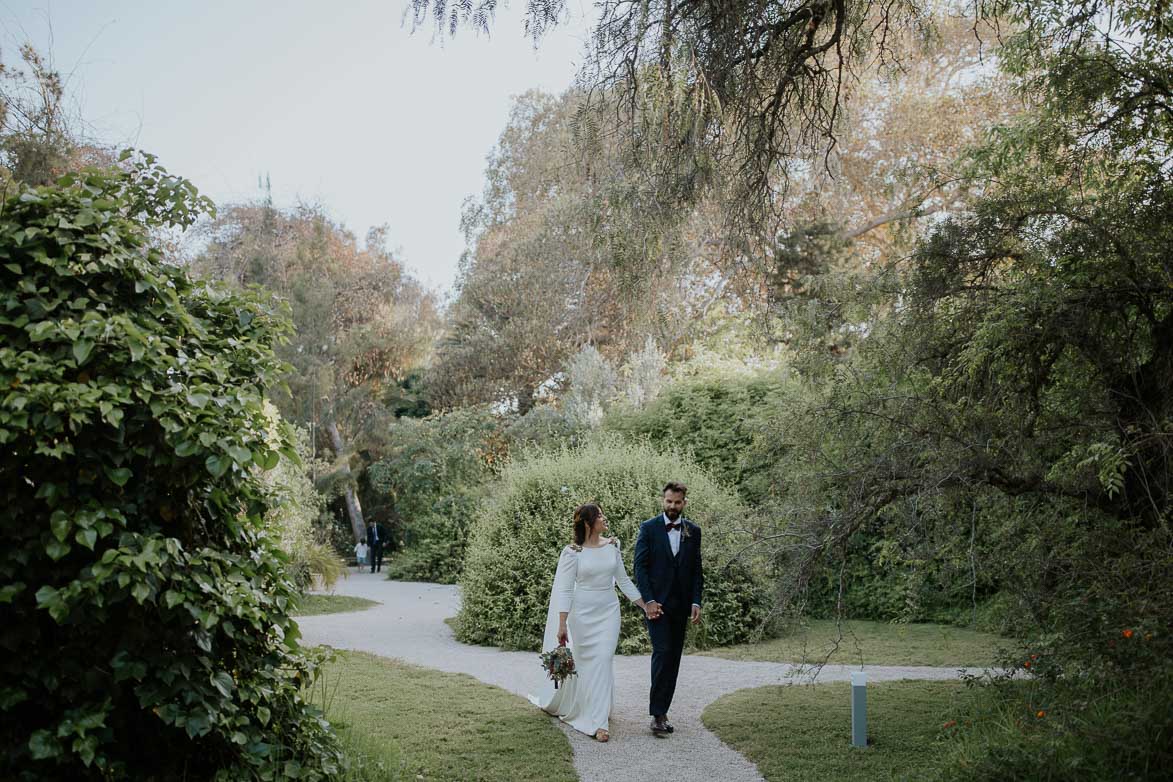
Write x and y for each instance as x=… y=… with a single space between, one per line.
x=409 y=625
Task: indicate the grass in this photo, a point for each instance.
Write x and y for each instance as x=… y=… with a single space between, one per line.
x=313 y=605
x=803 y=732
x=873 y=643
x=402 y=722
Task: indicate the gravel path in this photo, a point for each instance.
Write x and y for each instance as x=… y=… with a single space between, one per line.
x=409 y=625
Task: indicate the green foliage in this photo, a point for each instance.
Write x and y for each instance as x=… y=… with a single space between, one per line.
x=712 y=418
x=1014 y=408
x=1063 y=730
x=518 y=536
x=544 y=426
x=434 y=473
x=145 y=631
x=297 y=514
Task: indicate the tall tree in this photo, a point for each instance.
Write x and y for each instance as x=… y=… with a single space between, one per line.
x=362 y=322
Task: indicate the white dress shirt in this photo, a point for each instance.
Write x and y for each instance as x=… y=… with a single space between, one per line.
x=673 y=535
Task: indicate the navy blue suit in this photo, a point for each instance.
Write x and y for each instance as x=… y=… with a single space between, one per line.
x=676 y=583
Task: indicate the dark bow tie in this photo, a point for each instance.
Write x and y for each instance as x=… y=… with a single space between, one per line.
x=672 y=525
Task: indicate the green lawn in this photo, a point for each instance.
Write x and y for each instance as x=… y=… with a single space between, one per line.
x=312 y=605
x=401 y=722
x=803 y=732
x=873 y=643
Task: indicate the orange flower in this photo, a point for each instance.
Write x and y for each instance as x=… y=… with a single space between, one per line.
x=1040 y=714
x=1034 y=657
x=949 y=724
x=1026 y=664
x=1127 y=633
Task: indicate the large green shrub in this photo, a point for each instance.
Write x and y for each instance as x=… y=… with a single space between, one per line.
x=712 y=418
x=434 y=473
x=514 y=547
x=145 y=632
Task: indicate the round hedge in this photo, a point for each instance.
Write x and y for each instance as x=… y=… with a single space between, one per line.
x=516 y=540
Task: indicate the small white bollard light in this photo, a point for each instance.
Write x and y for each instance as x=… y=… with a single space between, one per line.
x=859 y=709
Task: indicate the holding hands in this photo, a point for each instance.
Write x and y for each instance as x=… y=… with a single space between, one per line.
x=655 y=611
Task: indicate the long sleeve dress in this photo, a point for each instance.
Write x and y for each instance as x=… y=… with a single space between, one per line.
x=584 y=586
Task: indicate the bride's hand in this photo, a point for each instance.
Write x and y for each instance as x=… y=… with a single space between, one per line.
x=563 y=636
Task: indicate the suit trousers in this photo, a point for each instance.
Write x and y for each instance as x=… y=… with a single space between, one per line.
x=376 y=555
x=667 y=634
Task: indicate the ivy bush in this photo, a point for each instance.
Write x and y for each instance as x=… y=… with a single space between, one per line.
x=517 y=538
x=145 y=631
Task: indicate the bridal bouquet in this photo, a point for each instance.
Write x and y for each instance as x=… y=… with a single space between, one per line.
x=558 y=664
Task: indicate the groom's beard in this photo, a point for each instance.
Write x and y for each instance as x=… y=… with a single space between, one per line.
x=672 y=515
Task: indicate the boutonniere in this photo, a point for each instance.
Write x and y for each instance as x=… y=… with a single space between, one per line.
x=684 y=529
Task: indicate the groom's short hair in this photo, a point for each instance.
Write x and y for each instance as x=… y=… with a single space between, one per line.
x=675 y=486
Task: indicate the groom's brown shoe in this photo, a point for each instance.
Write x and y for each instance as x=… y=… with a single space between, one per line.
x=660 y=726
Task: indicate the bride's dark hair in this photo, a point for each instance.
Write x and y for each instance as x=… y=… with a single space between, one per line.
x=585 y=517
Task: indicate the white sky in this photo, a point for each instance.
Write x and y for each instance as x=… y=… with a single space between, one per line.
x=336 y=101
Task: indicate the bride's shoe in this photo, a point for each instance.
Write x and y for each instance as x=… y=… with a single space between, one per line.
x=602 y=736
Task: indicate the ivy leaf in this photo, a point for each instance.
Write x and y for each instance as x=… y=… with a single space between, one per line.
x=42 y=746
x=82 y=349
x=87 y=538
x=222 y=682
x=9 y=591
x=140 y=592
x=119 y=476
x=59 y=523
x=267 y=460
x=242 y=455
x=56 y=549
x=217 y=465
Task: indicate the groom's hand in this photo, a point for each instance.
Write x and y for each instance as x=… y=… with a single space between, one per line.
x=653 y=610
x=696 y=614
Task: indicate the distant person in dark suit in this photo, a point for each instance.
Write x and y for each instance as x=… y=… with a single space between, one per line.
x=376 y=536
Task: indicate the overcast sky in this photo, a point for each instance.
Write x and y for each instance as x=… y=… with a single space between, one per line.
x=337 y=102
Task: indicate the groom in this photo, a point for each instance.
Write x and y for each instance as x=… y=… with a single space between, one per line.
x=668 y=574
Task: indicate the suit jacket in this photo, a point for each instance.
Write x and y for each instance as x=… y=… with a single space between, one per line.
x=371 y=535
x=656 y=569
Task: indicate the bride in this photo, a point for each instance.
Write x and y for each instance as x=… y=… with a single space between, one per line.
x=585 y=612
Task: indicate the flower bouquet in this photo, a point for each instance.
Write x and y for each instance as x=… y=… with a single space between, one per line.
x=558 y=664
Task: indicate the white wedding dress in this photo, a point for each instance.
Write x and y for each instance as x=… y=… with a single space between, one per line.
x=584 y=586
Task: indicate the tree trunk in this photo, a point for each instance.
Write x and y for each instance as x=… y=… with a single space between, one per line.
x=353 y=506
